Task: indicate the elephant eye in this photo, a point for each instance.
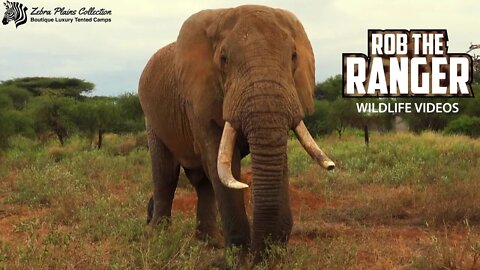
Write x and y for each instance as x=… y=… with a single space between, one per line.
x=223 y=59
x=294 y=56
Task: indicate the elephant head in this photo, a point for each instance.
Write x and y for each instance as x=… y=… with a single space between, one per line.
x=259 y=64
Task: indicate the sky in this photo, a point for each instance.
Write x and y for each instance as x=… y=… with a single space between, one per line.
x=113 y=55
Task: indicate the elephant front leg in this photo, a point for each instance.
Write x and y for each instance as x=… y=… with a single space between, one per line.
x=207 y=229
x=165 y=171
x=230 y=202
x=232 y=210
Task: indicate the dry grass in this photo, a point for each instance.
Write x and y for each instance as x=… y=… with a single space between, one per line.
x=406 y=202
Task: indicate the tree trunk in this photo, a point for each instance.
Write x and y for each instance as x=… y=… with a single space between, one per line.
x=60 y=138
x=100 y=138
x=367 y=138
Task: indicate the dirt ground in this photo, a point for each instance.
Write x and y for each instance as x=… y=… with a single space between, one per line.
x=379 y=246
x=393 y=245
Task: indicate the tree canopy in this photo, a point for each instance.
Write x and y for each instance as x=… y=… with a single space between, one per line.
x=46 y=107
x=67 y=87
x=39 y=106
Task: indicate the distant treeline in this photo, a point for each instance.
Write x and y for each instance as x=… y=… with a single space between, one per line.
x=334 y=113
x=39 y=107
x=45 y=107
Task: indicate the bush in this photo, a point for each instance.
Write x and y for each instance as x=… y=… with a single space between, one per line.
x=124 y=148
x=37 y=187
x=466 y=125
x=141 y=140
x=56 y=153
x=318 y=123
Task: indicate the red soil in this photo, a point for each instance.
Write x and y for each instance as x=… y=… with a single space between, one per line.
x=185 y=201
x=300 y=200
x=407 y=239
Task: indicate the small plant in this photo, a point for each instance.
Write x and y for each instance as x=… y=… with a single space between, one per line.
x=141 y=140
x=298 y=160
x=4 y=253
x=56 y=153
x=232 y=257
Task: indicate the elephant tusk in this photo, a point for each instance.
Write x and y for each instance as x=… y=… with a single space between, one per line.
x=224 y=161
x=312 y=148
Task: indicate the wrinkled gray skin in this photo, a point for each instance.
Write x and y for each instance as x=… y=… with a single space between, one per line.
x=252 y=66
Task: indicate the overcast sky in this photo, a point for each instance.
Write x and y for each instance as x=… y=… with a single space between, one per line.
x=112 y=55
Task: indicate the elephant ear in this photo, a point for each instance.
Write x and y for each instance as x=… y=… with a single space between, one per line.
x=196 y=71
x=304 y=74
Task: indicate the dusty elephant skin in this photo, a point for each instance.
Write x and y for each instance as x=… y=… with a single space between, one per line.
x=235 y=82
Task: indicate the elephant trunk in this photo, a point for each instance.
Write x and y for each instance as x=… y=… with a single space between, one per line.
x=267 y=137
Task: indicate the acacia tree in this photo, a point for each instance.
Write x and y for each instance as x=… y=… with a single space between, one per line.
x=19 y=96
x=129 y=110
x=38 y=86
x=47 y=101
x=6 y=129
x=318 y=123
x=330 y=89
x=13 y=119
x=121 y=114
x=335 y=113
x=94 y=114
x=50 y=115
x=476 y=63
x=343 y=113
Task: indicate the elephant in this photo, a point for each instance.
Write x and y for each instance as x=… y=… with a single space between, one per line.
x=235 y=82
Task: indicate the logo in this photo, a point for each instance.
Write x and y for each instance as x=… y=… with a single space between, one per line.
x=15 y=12
x=407 y=63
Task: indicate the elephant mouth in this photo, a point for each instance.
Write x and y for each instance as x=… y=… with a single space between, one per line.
x=227 y=146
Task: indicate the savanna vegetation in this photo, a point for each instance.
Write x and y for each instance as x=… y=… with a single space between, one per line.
x=75 y=181
x=334 y=113
x=406 y=201
x=43 y=108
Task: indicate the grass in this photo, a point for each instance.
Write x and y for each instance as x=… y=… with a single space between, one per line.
x=407 y=201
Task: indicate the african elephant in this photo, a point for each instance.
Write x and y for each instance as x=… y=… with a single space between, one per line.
x=235 y=82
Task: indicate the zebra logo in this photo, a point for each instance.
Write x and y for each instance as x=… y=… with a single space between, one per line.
x=15 y=12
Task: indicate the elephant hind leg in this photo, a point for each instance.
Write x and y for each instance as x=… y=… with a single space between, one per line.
x=165 y=171
x=207 y=228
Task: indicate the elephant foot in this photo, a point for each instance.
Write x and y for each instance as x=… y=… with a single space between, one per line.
x=155 y=219
x=212 y=239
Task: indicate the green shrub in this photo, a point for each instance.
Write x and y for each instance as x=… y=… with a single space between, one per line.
x=23 y=144
x=466 y=125
x=318 y=122
x=56 y=153
x=298 y=159
x=124 y=148
x=44 y=186
x=141 y=140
